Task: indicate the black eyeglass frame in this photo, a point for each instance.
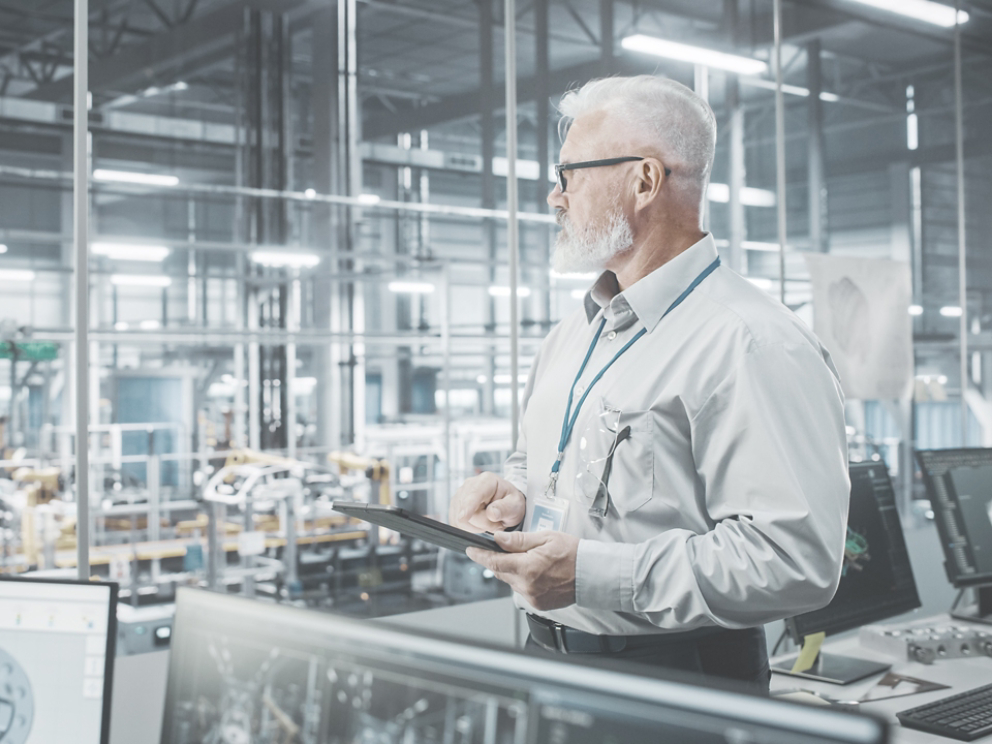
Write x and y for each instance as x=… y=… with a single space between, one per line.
x=560 y=168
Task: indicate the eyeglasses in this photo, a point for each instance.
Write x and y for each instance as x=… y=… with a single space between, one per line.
x=560 y=168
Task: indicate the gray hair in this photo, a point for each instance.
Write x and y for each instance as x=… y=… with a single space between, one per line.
x=676 y=120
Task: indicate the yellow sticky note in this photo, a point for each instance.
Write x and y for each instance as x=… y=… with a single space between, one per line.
x=810 y=650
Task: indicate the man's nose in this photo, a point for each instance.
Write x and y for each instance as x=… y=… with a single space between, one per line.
x=556 y=199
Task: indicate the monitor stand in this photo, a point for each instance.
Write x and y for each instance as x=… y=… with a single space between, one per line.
x=978 y=612
x=833 y=668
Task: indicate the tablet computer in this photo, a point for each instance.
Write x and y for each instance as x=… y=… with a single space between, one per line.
x=414 y=525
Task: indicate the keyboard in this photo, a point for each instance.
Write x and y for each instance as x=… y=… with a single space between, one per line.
x=964 y=717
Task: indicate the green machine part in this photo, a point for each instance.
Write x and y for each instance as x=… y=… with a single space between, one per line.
x=29 y=351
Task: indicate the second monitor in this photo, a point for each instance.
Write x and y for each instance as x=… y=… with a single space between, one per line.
x=876 y=579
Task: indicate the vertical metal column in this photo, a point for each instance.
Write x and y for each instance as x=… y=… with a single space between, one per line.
x=736 y=179
x=488 y=130
x=780 y=149
x=701 y=85
x=512 y=232
x=542 y=103
x=606 y=49
x=962 y=236
x=816 y=171
x=80 y=190
x=324 y=94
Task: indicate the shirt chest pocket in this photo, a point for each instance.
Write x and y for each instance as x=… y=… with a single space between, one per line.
x=615 y=472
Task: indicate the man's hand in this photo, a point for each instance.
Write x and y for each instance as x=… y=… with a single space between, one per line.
x=487 y=503
x=540 y=566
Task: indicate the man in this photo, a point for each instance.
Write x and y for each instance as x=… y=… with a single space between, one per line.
x=692 y=483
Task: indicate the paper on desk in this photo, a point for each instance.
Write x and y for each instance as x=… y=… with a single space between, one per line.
x=810 y=650
x=894 y=685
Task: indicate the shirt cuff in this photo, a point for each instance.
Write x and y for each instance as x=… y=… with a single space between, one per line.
x=604 y=576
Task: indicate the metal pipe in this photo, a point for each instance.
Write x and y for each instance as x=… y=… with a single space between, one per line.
x=780 y=149
x=962 y=243
x=80 y=190
x=512 y=233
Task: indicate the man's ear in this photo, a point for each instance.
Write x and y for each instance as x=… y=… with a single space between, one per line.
x=649 y=179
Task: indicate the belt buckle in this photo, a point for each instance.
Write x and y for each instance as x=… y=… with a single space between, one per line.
x=558 y=633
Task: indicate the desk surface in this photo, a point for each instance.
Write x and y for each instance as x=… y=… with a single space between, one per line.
x=959 y=674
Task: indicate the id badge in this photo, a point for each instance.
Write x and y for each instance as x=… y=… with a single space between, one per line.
x=548 y=514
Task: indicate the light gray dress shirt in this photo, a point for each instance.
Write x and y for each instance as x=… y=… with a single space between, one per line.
x=728 y=496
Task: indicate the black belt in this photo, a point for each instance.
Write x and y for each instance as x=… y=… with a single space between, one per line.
x=557 y=637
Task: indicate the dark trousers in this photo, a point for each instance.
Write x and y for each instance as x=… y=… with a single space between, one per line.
x=739 y=655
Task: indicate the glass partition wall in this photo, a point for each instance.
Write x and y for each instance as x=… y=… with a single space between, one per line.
x=297 y=248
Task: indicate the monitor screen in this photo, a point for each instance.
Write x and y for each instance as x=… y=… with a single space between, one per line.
x=246 y=671
x=876 y=579
x=959 y=485
x=56 y=661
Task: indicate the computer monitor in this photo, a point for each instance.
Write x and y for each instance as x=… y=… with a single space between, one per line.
x=56 y=660
x=959 y=485
x=876 y=579
x=247 y=671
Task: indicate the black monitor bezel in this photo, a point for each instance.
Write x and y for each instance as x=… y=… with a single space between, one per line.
x=805 y=624
x=111 y=649
x=671 y=688
x=957 y=581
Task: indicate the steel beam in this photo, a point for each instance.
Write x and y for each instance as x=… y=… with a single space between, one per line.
x=815 y=159
x=485 y=103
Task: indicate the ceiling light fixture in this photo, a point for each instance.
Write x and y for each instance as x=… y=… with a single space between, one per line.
x=140 y=280
x=916 y=309
x=130 y=251
x=497 y=291
x=696 y=55
x=285 y=259
x=951 y=311
x=16 y=275
x=789 y=90
x=401 y=287
x=369 y=199
x=750 y=197
x=920 y=10
x=3 y=248
x=145 y=179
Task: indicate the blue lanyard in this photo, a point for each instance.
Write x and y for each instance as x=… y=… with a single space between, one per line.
x=569 y=423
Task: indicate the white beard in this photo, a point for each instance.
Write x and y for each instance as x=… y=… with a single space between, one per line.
x=590 y=249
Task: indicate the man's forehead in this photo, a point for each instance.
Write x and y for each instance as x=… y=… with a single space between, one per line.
x=585 y=136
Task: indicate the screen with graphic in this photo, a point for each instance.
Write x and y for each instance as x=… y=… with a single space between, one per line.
x=876 y=577
x=56 y=661
x=247 y=671
x=959 y=485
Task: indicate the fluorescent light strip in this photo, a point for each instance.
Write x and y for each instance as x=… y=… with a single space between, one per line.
x=3 y=248
x=16 y=275
x=130 y=252
x=285 y=259
x=140 y=280
x=497 y=291
x=750 y=197
x=919 y=10
x=696 y=55
x=951 y=311
x=790 y=90
x=400 y=287
x=145 y=179
x=916 y=309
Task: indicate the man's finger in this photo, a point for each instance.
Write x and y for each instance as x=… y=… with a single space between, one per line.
x=521 y=542
x=498 y=563
x=507 y=511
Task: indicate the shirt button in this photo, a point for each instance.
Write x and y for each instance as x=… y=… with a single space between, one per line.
x=580 y=389
x=611 y=335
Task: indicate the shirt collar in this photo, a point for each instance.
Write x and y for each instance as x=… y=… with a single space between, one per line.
x=651 y=297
